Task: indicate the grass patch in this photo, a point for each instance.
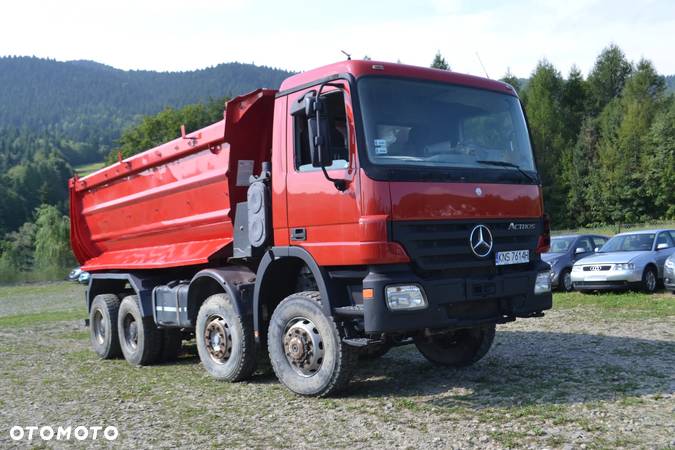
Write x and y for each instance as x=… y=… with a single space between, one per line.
x=619 y=304
x=86 y=169
x=37 y=289
x=23 y=320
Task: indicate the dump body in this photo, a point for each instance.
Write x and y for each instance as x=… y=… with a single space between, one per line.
x=172 y=205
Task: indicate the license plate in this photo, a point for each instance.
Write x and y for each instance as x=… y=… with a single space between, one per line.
x=512 y=257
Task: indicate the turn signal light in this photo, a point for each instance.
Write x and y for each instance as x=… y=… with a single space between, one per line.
x=368 y=293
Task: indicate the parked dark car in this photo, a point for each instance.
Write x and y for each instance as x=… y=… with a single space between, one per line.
x=565 y=251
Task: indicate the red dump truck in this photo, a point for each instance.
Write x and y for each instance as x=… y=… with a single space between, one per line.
x=363 y=205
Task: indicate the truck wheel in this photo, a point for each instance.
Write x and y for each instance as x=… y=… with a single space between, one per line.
x=306 y=348
x=140 y=339
x=649 y=280
x=172 y=341
x=459 y=348
x=225 y=340
x=374 y=352
x=103 y=326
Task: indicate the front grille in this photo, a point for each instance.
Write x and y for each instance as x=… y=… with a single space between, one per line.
x=438 y=246
x=596 y=268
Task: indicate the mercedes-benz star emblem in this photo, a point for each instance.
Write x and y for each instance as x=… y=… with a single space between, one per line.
x=480 y=241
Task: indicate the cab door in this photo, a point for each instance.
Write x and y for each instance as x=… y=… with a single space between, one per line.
x=321 y=218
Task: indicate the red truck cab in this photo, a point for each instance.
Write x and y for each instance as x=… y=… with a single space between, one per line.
x=363 y=205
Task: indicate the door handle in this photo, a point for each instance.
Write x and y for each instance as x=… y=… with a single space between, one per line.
x=298 y=234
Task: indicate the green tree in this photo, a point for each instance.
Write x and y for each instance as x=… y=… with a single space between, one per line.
x=165 y=126
x=542 y=99
x=439 y=62
x=52 y=244
x=607 y=78
x=659 y=163
x=623 y=148
x=16 y=251
x=574 y=99
x=512 y=80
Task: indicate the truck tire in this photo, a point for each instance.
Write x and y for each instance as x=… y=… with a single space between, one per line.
x=140 y=339
x=103 y=326
x=306 y=349
x=225 y=340
x=172 y=341
x=457 y=349
x=649 y=280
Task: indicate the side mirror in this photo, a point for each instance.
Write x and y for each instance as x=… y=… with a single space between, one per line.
x=579 y=250
x=317 y=124
x=661 y=246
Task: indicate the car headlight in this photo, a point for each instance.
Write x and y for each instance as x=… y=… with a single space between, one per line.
x=670 y=263
x=542 y=284
x=405 y=297
x=576 y=268
x=624 y=266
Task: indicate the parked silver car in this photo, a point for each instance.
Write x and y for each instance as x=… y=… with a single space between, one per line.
x=669 y=273
x=634 y=259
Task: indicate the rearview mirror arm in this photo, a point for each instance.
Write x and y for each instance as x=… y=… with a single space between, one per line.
x=340 y=184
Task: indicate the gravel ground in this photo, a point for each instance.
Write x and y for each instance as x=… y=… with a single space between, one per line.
x=577 y=378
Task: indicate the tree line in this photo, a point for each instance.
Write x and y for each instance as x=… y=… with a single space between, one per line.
x=604 y=144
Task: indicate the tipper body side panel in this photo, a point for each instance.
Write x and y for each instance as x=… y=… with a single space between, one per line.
x=173 y=205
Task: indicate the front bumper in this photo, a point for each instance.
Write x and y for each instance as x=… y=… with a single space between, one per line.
x=605 y=279
x=453 y=302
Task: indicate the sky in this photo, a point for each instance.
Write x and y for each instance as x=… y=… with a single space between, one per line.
x=174 y=35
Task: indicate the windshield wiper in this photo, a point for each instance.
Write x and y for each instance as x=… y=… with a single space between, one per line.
x=507 y=164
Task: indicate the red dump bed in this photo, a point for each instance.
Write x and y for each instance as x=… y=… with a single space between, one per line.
x=172 y=205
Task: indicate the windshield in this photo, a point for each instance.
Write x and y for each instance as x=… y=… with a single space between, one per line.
x=629 y=243
x=561 y=245
x=435 y=125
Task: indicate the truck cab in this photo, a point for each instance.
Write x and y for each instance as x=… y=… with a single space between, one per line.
x=369 y=205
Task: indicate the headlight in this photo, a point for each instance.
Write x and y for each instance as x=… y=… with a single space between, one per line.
x=543 y=283
x=405 y=297
x=670 y=263
x=576 y=268
x=624 y=266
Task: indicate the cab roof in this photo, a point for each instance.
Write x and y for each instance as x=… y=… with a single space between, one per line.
x=359 y=68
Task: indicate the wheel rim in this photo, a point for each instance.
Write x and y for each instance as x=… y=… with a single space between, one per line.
x=651 y=280
x=567 y=281
x=218 y=339
x=303 y=346
x=131 y=332
x=98 y=325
